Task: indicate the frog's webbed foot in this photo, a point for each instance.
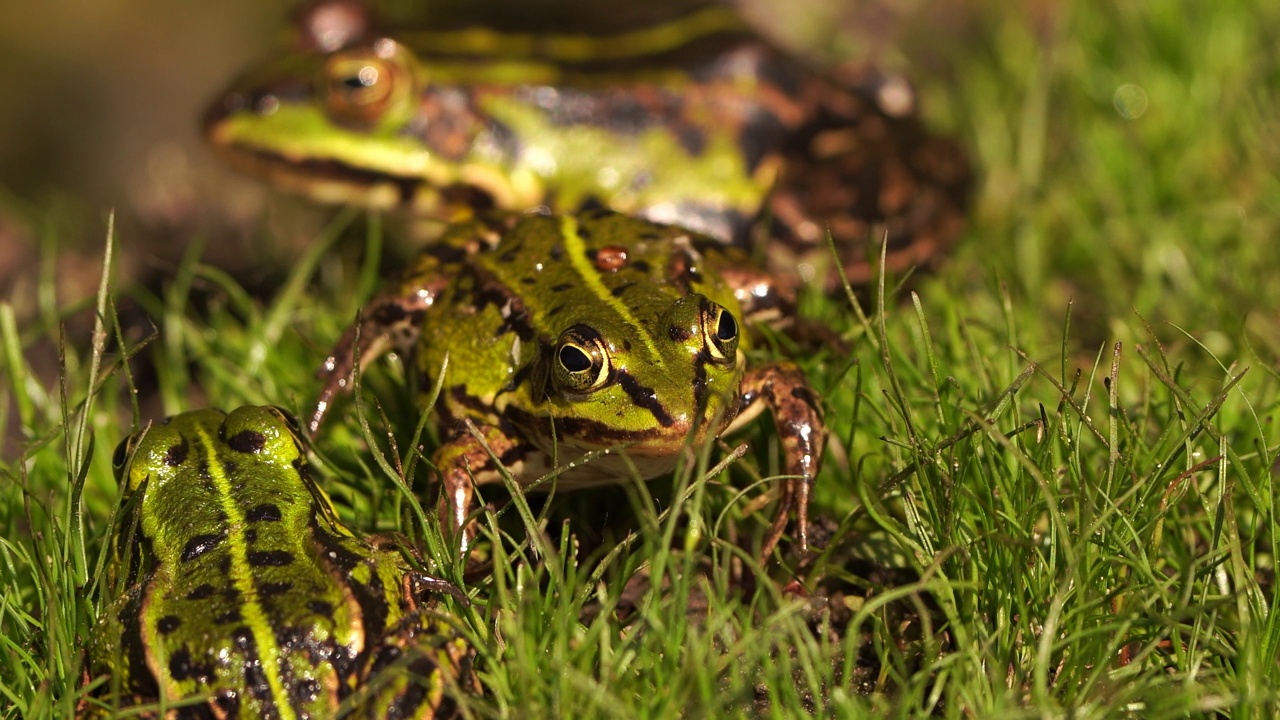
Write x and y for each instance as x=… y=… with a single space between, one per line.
x=797 y=412
x=389 y=321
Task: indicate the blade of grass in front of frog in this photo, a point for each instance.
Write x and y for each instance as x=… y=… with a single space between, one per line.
x=395 y=473
x=79 y=449
x=46 y=685
x=687 y=500
x=126 y=354
x=433 y=535
x=532 y=525
x=597 y=576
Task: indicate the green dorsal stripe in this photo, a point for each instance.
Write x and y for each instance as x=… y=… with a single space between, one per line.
x=242 y=578
x=569 y=48
x=576 y=250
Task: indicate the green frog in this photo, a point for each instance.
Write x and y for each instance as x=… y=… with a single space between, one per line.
x=685 y=117
x=247 y=597
x=589 y=349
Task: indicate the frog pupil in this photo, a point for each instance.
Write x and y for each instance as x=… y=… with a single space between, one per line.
x=574 y=359
x=726 y=328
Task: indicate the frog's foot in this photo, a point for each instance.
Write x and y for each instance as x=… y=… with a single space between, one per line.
x=389 y=321
x=797 y=412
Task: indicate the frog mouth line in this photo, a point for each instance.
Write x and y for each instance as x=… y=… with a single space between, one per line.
x=305 y=176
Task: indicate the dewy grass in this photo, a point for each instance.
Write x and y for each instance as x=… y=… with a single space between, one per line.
x=1050 y=490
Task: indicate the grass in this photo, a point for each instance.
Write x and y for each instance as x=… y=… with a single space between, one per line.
x=1057 y=496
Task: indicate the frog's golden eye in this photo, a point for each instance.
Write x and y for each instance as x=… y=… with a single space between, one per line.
x=582 y=362
x=721 y=332
x=364 y=86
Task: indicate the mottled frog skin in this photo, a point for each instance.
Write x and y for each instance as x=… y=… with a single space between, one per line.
x=565 y=335
x=691 y=119
x=245 y=597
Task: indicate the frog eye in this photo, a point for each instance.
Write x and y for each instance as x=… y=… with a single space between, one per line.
x=289 y=419
x=721 y=332
x=582 y=362
x=120 y=457
x=363 y=86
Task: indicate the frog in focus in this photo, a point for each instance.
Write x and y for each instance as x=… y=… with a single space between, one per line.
x=561 y=337
x=686 y=117
x=245 y=594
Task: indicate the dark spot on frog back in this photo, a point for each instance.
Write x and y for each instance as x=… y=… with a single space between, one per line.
x=177 y=453
x=270 y=558
x=200 y=545
x=230 y=616
x=304 y=692
x=228 y=703
x=692 y=138
x=266 y=512
x=168 y=624
x=511 y=252
x=274 y=588
x=183 y=667
x=247 y=441
x=202 y=592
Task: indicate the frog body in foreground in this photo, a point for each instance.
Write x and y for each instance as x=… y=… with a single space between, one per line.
x=563 y=336
x=693 y=119
x=248 y=597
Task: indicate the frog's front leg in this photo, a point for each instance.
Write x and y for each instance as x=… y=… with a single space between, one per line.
x=465 y=462
x=389 y=321
x=783 y=389
x=394 y=318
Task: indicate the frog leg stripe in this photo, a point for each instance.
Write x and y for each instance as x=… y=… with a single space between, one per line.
x=131 y=617
x=576 y=251
x=256 y=634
